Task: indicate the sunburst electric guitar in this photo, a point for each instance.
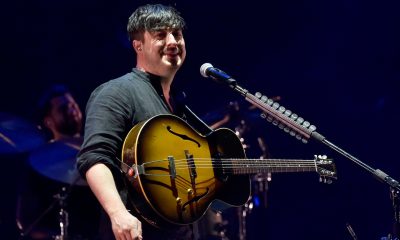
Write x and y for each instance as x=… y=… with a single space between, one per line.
x=175 y=173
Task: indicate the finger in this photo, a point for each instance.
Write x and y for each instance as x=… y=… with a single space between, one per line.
x=128 y=235
x=136 y=231
x=119 y=235
x=140 y=228
x=134 y=234
x=116 y=235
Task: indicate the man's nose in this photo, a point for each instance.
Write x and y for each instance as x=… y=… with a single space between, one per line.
x=72 y=109
x=171 y=40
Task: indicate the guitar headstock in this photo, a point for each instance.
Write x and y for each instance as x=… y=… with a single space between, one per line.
x=326 y=168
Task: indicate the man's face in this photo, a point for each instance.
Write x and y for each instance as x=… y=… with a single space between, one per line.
x=66 y=115
x=163 y=51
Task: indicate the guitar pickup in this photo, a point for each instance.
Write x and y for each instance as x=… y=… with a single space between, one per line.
x=191 y=165
x=171 y=166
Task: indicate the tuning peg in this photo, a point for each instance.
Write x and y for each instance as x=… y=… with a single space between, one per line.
x=300 y=120
x=288 y=112
x=264 y=98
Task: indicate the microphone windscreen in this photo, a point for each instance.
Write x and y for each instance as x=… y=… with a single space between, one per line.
x=203 y=69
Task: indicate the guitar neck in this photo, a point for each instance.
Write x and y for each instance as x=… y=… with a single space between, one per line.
x=253 y=166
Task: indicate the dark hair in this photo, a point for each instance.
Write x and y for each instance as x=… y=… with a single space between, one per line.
x=152 y=18
x=44 y=104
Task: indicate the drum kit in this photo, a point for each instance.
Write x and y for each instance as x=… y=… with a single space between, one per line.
x=46 y=197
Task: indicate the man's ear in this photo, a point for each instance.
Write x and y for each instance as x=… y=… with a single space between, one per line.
x=137 y=45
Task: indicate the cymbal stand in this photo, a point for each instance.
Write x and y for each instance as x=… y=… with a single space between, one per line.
x=37 y=220
x=63 y=214
x=261 y=182
x=394 y=194
x=243 y=211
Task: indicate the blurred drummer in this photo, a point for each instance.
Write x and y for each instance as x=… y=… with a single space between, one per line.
x=59 y=114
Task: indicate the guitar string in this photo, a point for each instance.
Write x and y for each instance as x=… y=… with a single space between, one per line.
x=266 y=164
x=232 y=159
x=237 y=167
x=235 y=162
x=237 y=170
x=230 y=163
x=243 y=162
x=267 y=161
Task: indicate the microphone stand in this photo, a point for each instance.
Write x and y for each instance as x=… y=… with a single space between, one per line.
x=296 y=126
x=396 y=207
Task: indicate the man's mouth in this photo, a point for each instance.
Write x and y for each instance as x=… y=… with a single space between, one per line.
x=172 y=52
x=171 y=55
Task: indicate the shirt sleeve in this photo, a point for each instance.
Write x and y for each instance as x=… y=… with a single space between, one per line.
x=108 y=115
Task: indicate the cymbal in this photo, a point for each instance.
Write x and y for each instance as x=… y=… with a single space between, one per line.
x=57 y=161
x=18 y=135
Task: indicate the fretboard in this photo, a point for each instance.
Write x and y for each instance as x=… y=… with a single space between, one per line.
x=253 y=166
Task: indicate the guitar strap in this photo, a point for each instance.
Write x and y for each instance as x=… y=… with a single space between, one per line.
x=189 y=116
x=196 y=122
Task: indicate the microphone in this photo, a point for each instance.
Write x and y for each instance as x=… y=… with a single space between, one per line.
x=207 y=70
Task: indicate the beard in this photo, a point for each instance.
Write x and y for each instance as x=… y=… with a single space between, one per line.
x=70 y=127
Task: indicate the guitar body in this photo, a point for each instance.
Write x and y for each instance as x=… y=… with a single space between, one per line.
x=179 y=173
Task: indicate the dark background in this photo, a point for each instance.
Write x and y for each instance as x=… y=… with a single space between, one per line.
x=335 y=63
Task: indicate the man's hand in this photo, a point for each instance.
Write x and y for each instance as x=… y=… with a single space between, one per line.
x=125 y=226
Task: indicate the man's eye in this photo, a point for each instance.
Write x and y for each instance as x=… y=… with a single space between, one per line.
x=160 y=35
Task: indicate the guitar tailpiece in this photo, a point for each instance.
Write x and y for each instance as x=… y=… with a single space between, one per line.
x=133 y=172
